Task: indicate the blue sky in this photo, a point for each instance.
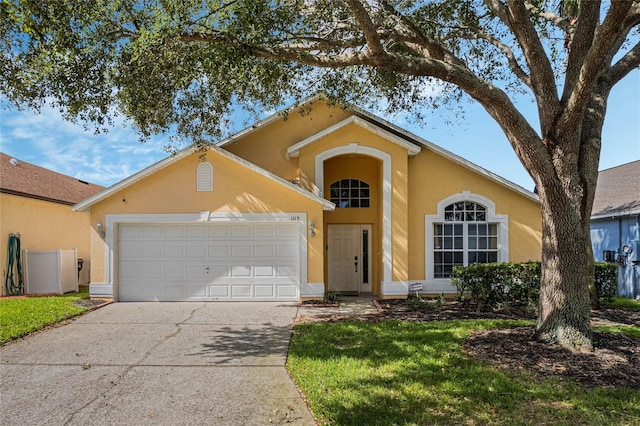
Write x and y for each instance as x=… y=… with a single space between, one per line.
x=48 y=141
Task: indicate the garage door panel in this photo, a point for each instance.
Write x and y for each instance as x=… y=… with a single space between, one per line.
x=264 y=271
x=241 y=230
x=264 y=230
x=219 y=291
x=219 y=231
x=197 y=250
x=174 y=251
x=174 y=231
x=196 y=231
x=241 y=291
x=286 y=271
x=263 y=250
x=196 y=271
x=286 y=291
x=265 y=291
x=287 y=250
x=152 y=251
x=152 y=231
x=219 y=271
x=212 y=261
x=241 y=271
x=175 y=271
x=287 y=230
x=151 y=270
x=131 y=250
x=240 y=250
x=219 y=250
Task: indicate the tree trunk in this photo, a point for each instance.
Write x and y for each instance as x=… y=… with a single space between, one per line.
x=564 y=306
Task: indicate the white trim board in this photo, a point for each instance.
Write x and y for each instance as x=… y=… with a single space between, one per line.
x=113 y=220
x=387 y=255
x=503 y=232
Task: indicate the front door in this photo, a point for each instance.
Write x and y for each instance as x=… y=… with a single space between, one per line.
x=348 y=248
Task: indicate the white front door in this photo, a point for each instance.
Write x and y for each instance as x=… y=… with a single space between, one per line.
x=348 y=248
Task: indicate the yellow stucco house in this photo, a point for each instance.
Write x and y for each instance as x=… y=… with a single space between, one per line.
x=292 y=207
x=36 y=203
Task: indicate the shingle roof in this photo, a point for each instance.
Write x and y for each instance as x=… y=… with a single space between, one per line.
x=20 y=178
x=618 y=191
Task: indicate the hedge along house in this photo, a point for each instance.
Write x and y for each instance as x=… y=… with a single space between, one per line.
x=615 y=224
x=37 y=204
x=292 y=207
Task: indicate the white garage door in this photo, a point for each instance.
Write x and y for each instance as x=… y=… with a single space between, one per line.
x=209 y=261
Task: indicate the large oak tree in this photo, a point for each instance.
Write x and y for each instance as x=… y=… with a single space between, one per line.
x=181 y=66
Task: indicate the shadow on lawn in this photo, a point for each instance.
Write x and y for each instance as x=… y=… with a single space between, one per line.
x=416 y=373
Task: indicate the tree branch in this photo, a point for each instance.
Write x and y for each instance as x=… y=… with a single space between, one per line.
x=553 y=18
x=542 y=77
x=626 y=64
x=582 y=39
x=361 y=15
x=506 y=51
x=595 y=61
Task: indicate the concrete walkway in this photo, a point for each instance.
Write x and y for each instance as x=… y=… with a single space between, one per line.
x=156 y=364
x=349 y=305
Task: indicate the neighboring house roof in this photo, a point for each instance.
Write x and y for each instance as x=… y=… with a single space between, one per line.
x=28 y=180
x=86 y=204
x=384 y=126
x=617 y=192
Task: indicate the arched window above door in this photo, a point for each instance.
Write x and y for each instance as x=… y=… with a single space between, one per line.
x=350 y=193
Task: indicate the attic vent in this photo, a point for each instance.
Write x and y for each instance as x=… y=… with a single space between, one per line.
x=205 y=177
x=82 y=181
x=14 y=161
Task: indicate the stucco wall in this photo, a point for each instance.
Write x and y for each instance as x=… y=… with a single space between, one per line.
x=43 y=226
x=267 y=146
x=236 y=189
x=434 y=177
x=346 y=138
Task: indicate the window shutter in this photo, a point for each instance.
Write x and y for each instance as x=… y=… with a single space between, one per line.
x=205 y=177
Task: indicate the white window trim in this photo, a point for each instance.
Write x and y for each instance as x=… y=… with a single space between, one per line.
x=354 y=148
x=501 y=219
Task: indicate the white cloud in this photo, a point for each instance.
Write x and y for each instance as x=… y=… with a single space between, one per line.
x=49 y=141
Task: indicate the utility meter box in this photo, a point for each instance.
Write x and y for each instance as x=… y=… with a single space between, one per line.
x=634 y=254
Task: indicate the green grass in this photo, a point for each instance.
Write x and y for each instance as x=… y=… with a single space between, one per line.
x=629 y=330
x=404 y=373
x=623 y=302
x=19 y=317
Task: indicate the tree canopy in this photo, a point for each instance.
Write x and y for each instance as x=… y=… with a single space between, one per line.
x=181 y=65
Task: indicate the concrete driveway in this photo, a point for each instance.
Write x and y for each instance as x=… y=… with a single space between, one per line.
x=156 y=363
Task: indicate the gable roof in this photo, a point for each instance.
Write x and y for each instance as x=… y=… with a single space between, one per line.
x=617 y=192
x=385 y=129
x=86 y=204
x=28 y=180
x=412 y=149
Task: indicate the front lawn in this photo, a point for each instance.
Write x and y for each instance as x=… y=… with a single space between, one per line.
x=415 y=373
x=21 y=316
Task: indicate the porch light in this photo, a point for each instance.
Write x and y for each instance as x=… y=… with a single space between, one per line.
x=312 y=230
x=100 y=229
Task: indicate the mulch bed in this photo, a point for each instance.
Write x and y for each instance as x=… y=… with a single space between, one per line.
x=91 y=303
x=614 y=363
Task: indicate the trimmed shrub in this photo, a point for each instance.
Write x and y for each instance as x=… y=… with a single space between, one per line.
x=498 y=284
x=493 y=285
x=606 y=281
